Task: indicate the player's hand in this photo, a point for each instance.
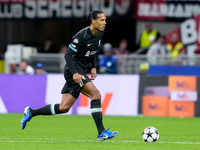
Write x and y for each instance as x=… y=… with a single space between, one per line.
x=78 y=78
x=93 y=73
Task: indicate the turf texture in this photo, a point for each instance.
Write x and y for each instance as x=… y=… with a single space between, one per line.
x=73 y=132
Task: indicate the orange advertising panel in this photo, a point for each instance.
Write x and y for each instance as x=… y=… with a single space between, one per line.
x=155 y=105
x=181 y=109
x=182 y=83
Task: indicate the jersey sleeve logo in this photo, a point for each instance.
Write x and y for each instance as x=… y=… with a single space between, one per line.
x=76 y=40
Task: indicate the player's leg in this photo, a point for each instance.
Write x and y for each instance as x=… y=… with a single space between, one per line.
x=52 y=109
x=67 y=101
x=95 y=105
x=90 y=90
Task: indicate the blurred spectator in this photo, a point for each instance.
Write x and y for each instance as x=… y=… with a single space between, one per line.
x=152 y=40
x=122 y=52
x=63 y=49
x=157 y=49
x=122 y=49
x=147 y=38
x=49 y=46
x=145 y=41
x=13 y=69
x=175 y=47
x=24 y=68
x=108 y=63
x=144 y=67
x=40 y=69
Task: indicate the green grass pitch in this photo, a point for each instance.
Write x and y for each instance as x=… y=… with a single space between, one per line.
x=73 y=132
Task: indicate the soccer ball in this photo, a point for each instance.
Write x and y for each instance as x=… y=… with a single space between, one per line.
x=150 y=134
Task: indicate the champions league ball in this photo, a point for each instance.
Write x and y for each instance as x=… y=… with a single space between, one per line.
x=150 y=134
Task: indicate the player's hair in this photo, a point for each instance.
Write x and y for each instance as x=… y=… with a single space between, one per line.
x=94 y=14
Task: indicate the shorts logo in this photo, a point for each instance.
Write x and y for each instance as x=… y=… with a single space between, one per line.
x=76 y=41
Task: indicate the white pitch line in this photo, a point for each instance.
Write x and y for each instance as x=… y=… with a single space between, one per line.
x=195 y=143
x=41 y=140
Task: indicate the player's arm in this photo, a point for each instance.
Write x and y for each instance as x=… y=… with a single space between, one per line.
x=93 y=70
x=72 y=50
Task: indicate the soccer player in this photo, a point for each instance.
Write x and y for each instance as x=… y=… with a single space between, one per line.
x=81 y=51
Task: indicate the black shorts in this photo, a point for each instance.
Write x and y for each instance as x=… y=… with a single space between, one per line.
x=70 y=85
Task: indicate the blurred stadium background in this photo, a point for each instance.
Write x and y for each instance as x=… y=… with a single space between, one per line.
x=146 y=85
x=149 y=85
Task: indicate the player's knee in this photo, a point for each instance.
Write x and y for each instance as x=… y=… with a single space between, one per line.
x=64 y=109
x=96 y=95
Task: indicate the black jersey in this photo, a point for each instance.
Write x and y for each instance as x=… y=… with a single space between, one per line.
x=82 y=49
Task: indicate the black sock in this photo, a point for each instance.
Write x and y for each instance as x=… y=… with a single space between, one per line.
x=46 y=110
x=96 y=112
